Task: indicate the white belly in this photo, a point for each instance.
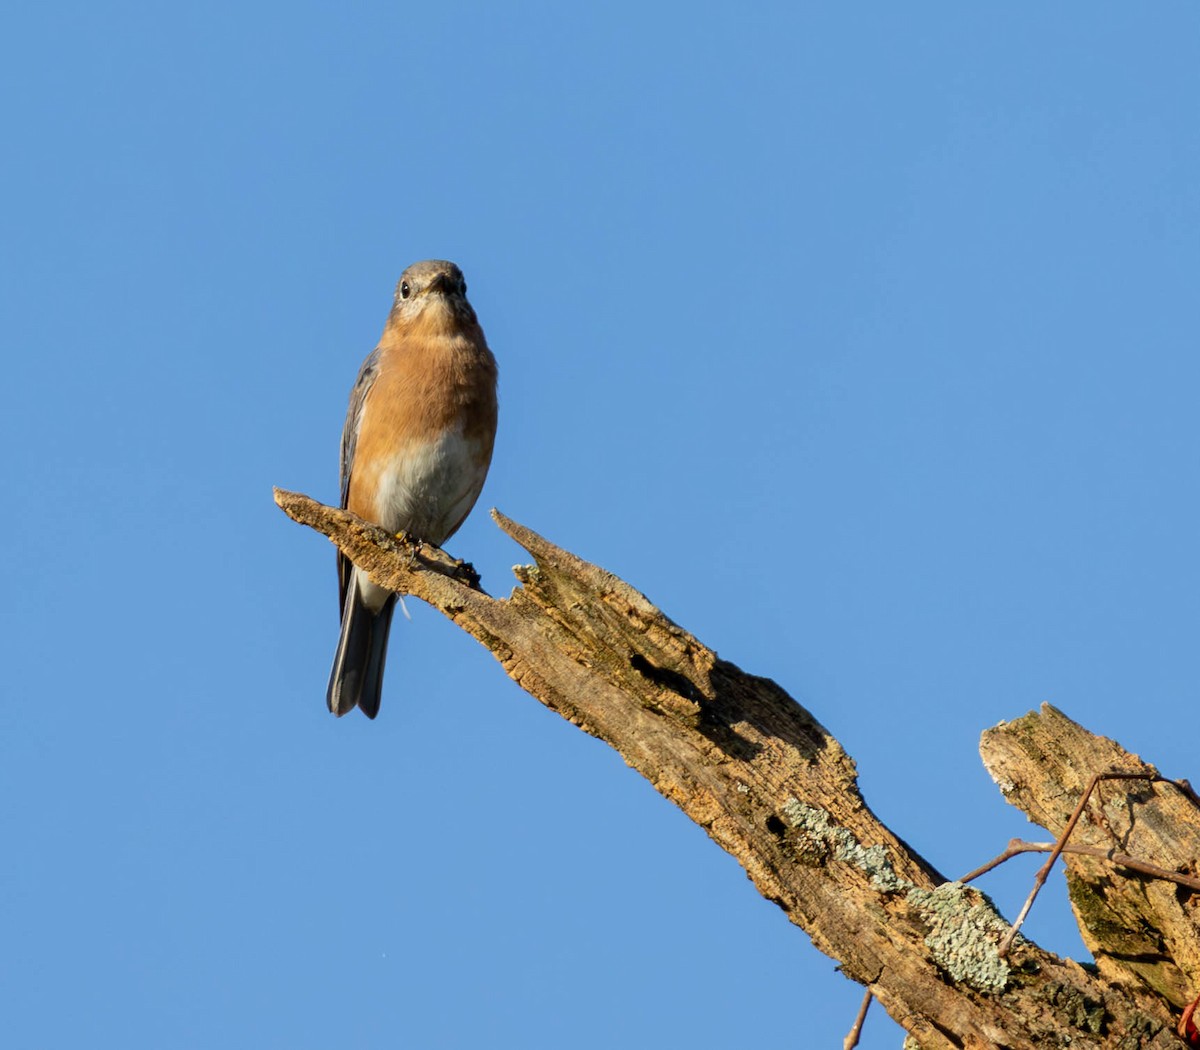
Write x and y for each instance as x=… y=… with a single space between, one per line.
x=428 y=490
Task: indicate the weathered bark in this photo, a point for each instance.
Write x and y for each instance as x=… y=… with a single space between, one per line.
x=771 y=787
x=1141 y=931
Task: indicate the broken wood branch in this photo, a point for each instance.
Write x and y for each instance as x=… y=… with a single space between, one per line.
x=771 y=787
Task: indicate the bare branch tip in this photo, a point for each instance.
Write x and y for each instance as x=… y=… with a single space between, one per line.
x=522 y=535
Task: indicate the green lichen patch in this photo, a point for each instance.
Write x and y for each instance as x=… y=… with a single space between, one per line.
x=821 y=834
x=964 y=926
x=964 y=930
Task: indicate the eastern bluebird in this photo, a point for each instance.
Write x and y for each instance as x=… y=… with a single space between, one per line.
x=415 y=450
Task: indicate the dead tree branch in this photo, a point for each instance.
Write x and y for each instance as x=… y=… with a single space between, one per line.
x=770 y=786
x=1142 y=931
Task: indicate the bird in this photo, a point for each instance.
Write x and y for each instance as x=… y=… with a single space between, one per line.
x=416 y=448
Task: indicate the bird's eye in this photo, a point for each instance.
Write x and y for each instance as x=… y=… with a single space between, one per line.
x=405 y=291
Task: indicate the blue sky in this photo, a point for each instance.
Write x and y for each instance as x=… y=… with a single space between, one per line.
x=862 y=338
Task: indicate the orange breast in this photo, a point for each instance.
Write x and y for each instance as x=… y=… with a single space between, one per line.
x=427 y=427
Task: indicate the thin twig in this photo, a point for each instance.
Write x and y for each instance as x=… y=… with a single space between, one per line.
x=851 y=1040
x=1055 y=849
x=1014 y=849
x=1039 y=880
x=1122 y=860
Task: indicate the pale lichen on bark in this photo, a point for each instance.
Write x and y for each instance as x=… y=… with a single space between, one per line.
x=824 y=836
x=964 y=931
x=964 y=926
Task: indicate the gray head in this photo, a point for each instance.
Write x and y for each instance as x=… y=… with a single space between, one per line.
x=429 y=283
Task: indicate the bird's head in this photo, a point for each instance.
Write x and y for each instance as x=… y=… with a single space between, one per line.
x=434 y=284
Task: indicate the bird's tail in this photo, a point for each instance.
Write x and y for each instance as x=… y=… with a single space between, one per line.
x=357 y=676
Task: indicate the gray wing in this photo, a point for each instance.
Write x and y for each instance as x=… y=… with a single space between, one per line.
x=358 y=396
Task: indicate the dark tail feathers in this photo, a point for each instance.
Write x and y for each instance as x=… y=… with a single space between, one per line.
x=357 y=676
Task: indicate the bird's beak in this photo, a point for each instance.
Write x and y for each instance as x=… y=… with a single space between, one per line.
x=442 y=283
